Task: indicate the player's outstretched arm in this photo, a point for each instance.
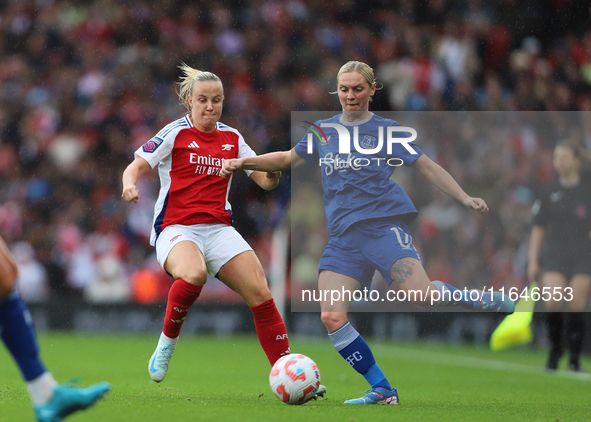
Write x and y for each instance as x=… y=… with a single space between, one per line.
x=270 y=162
x=130 y=177
x=446 y=183
x=267 y=180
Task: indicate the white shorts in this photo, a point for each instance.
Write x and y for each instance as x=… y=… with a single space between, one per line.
x=219 y=243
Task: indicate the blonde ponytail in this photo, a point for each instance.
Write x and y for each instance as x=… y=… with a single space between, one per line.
x=190 y=76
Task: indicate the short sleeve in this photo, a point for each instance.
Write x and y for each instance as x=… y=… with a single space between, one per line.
x=301 y=148
x=244 y=150
x=159 y=147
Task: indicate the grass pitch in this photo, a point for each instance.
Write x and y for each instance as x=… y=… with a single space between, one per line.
x=226 y=379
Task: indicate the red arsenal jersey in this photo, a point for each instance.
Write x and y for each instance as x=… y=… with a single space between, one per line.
x=192 y=191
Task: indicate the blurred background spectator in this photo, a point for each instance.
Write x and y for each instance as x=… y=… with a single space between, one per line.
x=83 y=83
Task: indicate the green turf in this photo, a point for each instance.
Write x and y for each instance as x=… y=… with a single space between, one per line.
x=213 y=379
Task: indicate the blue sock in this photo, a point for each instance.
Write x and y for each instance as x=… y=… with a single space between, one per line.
x=16 y=330
x=349 y=343
x=451 y=295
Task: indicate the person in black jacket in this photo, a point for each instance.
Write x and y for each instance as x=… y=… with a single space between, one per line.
x=562 y=225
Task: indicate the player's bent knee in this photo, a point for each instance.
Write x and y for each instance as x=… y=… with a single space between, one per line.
x=191 y=275
x=257 y=296
x=199 y=279
x=333 y=320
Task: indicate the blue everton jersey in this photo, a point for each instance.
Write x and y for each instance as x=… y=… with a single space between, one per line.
x=357 y=186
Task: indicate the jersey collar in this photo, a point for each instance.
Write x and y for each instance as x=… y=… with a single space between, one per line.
x=360 y=122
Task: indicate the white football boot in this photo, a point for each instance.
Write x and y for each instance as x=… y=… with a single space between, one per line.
x=158 y=364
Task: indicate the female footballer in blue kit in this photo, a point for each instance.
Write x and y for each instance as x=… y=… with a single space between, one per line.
x=51 y=402
x=367 y=215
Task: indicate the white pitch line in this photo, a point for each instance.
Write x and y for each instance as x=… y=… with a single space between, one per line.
x=427 y=356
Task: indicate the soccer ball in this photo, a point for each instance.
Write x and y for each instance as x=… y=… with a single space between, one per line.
x=295 y=379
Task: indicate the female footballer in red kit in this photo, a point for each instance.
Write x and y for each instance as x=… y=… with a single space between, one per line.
x=192 y=230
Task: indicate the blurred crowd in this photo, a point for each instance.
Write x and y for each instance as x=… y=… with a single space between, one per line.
x=83 y=83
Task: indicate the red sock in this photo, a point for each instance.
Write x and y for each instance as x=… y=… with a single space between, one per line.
x=181 y=296
x=270 y=330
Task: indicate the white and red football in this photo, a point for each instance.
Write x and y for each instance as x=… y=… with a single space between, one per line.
x=295 y=379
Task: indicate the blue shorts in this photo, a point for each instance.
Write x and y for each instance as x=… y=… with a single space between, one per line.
x=368 y=246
